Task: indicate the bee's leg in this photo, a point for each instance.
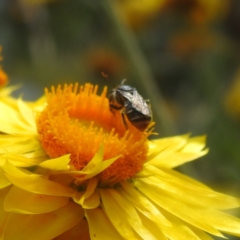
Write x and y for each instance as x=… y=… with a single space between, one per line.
x=124 y=121
x=111 y=106
x=147 y=101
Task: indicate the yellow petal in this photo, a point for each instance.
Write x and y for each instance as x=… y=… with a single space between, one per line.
x=35 y=183
x=19 y=144
x=20 y=201
x=116 y=215
x=43 y=226
x=176 y=188
x=102 y=166
x=91 y=202
x=184 y=178
x=172 y=160
x=97 y=165
x=170 y=144
x=179 y=229
x=153 y=227
x=3 y=180
x=3 y=214
x=38 y=154
x=78 y=232
x=7 y=90
x=142 y=204
x=94 y=167
x=179 y=209
x=92 y=184
x=222 y=201
x=195 y=144
x=95 y=161
x=26 y=112
x=222 y=221
x=176 y=151
x=57 y=164
x=131 y=216
x=19 y=161
x=100 y=227
x=90 y=199
x=38 y=105
x=202 y=235
x=11 y=121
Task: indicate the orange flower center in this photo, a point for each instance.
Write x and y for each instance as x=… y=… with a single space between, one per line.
x=77 y=121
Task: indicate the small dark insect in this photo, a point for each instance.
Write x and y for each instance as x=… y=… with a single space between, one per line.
x=131 y=104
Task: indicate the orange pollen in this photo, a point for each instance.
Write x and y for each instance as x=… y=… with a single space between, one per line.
x=77 y=121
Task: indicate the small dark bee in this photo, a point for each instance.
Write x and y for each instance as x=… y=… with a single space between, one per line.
x=132 y=105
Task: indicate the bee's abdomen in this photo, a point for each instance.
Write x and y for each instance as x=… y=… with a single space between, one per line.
x=138 y=119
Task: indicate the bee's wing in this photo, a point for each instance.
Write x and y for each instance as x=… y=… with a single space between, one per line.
x=127 y=95
x=139 y=104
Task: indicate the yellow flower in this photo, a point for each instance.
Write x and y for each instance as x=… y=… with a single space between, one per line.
x=69 y=169
x=136 y=12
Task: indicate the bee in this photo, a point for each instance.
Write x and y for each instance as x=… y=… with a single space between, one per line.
x=126 y=99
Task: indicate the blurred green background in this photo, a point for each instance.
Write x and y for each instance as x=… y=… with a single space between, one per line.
x=183 y=55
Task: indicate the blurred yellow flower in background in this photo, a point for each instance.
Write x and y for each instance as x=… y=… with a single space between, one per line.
x=232 y=98
x=206 y=11
x=5 y=89
x=137 y=13
x=3 y=77
x=69 y=169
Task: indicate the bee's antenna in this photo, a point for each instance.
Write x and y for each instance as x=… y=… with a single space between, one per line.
x=105 y=75
x=123 y=81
